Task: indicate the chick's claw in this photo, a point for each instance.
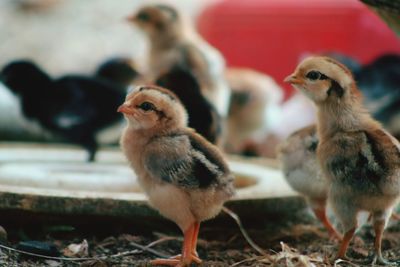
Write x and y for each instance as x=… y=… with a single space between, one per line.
x=177 y=261
x=194 y=257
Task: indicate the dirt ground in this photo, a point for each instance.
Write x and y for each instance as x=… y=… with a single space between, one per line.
x=302 y=242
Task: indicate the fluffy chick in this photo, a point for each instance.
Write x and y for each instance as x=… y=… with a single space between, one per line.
x=298 y=158
x=254 y=105
x=120 y=70
x=358 y=157
x=202 y=116
x=72 y=106
x=185 y=177
x=174 y=41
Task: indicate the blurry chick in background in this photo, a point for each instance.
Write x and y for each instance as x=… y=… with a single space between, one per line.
x=74 y=107
x=380 y=83
x=119 y=70
x=253 y=111
x=358 y=157
x=202 y=116
x=173 y=42
x=185 y=177
x=298 y=158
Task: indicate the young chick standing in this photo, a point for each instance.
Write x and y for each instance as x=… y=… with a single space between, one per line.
x=359 y=158
x=297 y=155
x=173 y=41
x=185 y=177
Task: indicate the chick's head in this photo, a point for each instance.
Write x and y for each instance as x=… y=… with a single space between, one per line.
x=157 y=20
x=323 y=79
x=153 y=108
x=23 y=75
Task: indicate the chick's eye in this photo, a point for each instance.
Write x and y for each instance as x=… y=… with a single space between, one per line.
x=146 y=106
x=143 y=16
x=313 y=75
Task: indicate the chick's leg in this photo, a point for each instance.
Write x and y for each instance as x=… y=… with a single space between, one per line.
x=189 y=253
x=345 y=244
x=320 y=213
x=187 y=257
x=195 y=236
x=380 y=220
x=346 y=211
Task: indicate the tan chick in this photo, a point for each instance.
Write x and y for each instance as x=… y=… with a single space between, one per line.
x=184 y=176
x=298 y=158
x=174 y=42
x=359 y=158
x=253 y=108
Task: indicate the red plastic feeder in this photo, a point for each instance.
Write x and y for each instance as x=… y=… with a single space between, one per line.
x=272 y=36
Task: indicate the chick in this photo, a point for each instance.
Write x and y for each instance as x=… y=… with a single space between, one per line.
x=185 y=177
x=358 y=157
x=298 y=158
x=74 y=107
x=173 y=41
x=202 y=115
x=120 y=70
x=253 y=108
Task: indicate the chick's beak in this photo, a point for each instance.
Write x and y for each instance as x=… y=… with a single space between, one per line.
x=292 y=79
x=131 y=18
x=124 y=108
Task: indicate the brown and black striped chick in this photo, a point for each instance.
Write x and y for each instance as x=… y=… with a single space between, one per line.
x=185 y=177
x=358 y=157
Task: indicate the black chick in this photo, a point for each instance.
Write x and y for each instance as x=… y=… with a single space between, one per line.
x=120 y=70
x=380 y=84
x=203 y=117
x=73 y=106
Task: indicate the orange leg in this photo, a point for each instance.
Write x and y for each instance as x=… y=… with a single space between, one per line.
x=194 y=240
x=187 y=257
x=321 y=215
x=345 y=243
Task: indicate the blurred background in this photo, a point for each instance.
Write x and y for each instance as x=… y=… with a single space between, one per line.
x=269 y=37
x=66 y=66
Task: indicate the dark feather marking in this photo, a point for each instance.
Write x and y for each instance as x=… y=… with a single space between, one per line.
x=204 y=176
x=197 y=145
x=336 y=88
x=376 y=152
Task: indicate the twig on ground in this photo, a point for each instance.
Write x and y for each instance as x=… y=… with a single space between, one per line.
x=140 y=248
x=245 y=260
x=244 y=232
x=148 y=249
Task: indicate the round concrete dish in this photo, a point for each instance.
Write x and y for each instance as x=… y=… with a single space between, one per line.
x=57 y=180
